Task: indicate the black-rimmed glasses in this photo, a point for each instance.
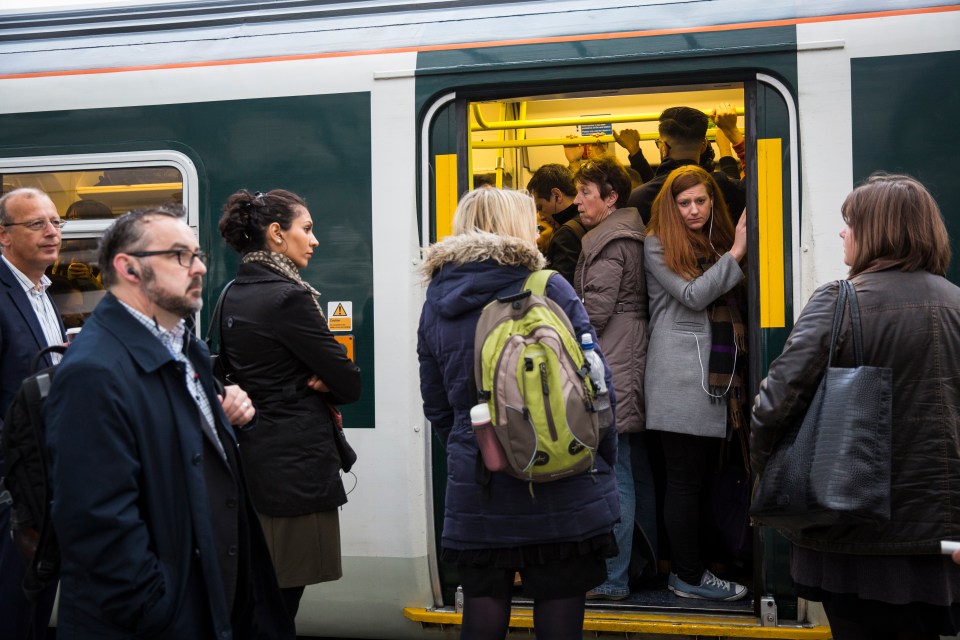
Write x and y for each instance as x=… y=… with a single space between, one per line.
x=184 y=256
x=664 y=143
x=39 y=224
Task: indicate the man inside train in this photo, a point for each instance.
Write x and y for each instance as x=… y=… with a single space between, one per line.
x=553 y=192
x=683 y=138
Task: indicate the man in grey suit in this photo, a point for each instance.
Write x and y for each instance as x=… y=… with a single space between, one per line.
x=29 y=321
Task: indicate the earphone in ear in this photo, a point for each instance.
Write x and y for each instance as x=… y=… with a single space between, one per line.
x=133 y=272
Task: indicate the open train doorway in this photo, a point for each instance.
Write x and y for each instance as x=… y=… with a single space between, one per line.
x=483 y=139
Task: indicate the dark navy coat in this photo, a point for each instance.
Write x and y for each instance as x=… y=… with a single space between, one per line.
x=131 y=507
x=503 y=513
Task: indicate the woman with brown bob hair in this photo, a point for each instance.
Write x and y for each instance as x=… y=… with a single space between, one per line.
x=695 y=359
x=887 y=580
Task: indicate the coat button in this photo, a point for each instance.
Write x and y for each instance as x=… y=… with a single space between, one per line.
x=197 y=459
x=232 y=550
x=231 y=503
x=196 y=552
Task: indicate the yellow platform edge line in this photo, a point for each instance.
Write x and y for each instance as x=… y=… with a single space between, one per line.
x=770 y=232
x=736 y=627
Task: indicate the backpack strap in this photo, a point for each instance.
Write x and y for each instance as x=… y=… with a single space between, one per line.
x=536 y=282
x=577 y=227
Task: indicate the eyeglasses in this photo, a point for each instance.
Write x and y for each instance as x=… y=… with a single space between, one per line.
x=664 y=143
x=39 y=224
x=184 y=256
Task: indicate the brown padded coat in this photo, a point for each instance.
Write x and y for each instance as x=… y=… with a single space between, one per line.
x=911 y=323
x=610 y=280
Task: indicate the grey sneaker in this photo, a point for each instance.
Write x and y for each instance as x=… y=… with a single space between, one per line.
x=710 y=588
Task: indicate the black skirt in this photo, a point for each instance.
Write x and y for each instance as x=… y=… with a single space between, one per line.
x=547 y=570
x=887 y=593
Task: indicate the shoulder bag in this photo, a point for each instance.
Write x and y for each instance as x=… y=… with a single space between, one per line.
x=833 y=467
x=217 y=360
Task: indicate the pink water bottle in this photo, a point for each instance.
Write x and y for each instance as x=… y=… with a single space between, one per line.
x=491 y=450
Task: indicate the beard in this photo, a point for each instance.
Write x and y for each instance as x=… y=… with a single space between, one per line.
x=183 y=306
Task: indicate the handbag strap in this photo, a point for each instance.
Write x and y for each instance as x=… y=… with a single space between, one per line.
x=837 y=321
x=847 y=298
x=854 y=321
x=214 y=328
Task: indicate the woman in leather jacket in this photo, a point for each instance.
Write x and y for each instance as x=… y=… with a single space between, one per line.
x=888 y=580
x=276 y=344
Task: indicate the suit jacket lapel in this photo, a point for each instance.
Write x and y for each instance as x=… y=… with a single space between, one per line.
x=19 y=299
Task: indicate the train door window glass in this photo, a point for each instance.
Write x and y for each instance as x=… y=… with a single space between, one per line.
x=89 y=200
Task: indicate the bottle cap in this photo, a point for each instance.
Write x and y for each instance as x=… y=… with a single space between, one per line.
x=586 y=341
x=480 y=413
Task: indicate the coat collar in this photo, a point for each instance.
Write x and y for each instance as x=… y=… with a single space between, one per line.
x=479 y=246
x=145 y=348
x=622 y=223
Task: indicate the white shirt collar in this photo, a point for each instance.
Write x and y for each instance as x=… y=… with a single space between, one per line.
x=26 y=282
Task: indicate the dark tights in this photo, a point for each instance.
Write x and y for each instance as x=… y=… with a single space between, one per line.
x=486 y=618
x=851 y=628
x=291 y=600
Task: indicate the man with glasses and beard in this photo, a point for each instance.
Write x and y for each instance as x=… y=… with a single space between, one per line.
x=29 y=322
x=158 y=537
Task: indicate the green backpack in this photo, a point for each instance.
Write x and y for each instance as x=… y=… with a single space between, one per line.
x=531 y=372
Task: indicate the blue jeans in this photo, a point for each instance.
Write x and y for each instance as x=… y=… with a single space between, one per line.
x=617 y=578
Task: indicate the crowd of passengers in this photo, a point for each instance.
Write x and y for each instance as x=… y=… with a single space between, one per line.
x=651 y=266
x=655 y=271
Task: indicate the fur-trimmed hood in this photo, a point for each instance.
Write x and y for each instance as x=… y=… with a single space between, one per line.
x=466 y=271
x=477 y=246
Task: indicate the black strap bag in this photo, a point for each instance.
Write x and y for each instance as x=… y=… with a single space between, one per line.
x=217 y=358
x=833 y=467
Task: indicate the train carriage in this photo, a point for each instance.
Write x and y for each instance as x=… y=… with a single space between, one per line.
x=381 y=113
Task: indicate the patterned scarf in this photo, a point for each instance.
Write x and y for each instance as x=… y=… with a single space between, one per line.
x=285 y=267
x=728 y=354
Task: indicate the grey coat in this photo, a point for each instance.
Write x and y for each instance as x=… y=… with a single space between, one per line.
x=676 y=378
x=610 y=281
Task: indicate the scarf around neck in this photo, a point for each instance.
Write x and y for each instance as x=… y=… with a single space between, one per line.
x=284 y=266
x=728 y=352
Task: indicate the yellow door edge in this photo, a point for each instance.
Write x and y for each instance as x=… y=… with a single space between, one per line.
x=632 y=623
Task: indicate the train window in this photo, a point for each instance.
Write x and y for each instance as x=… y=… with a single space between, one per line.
x=89 y=198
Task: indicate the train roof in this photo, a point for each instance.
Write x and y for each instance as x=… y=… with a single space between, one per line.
x=35 y=40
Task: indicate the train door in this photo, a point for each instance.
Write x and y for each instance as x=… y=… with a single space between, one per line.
x=470 y=140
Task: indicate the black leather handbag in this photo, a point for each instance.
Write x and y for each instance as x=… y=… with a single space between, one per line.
x=217 y=360
x=833 y=467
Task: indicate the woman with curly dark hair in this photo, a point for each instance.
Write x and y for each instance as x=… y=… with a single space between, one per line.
x=276 y=344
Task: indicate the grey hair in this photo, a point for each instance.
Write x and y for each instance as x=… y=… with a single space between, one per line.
x=25 y=192
x=127 y=234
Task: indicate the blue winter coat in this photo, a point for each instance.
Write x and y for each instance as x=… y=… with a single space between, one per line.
x=130 y=500
x=467 y=272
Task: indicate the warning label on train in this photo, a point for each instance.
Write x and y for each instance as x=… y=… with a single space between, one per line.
x=340 y=315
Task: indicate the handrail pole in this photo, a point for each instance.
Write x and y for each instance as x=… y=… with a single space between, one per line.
x=483 y=125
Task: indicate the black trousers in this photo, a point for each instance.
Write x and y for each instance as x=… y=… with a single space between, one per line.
x=688 y=460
